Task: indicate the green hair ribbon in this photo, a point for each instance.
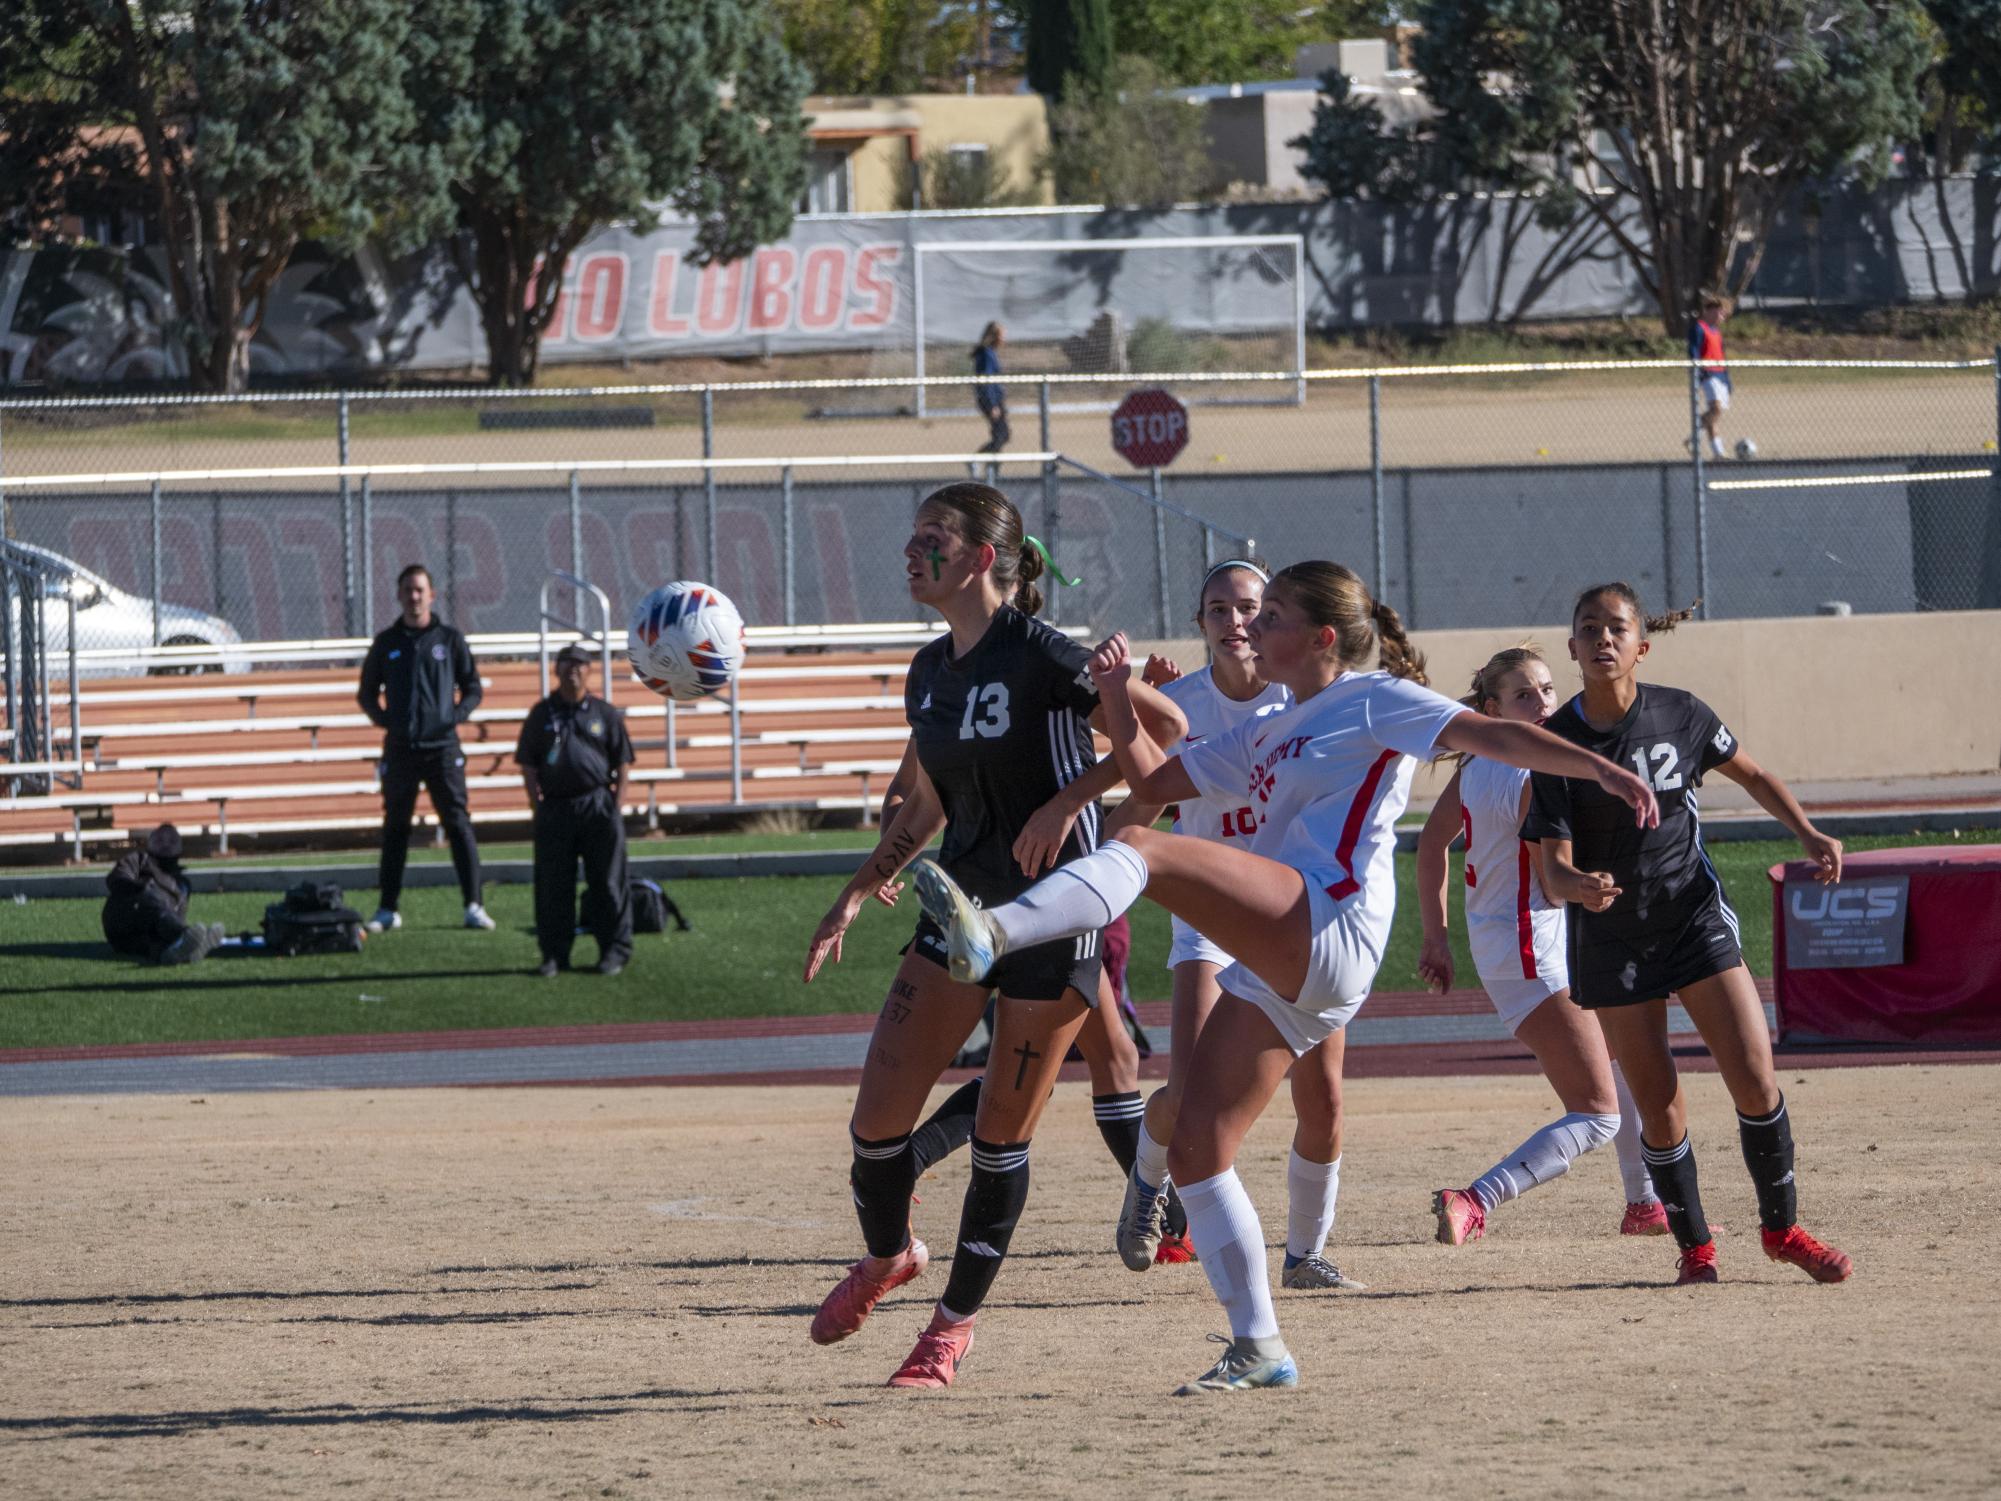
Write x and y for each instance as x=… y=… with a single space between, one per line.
x=1050 y=563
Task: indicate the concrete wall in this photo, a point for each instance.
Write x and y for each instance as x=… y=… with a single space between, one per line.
x=1814 y=699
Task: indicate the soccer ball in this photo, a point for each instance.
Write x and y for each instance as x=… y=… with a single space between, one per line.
x=1746 y=449
x=686 y=641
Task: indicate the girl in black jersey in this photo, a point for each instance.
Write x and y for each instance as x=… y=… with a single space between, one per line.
x=1001 y=711
x=1651 y=918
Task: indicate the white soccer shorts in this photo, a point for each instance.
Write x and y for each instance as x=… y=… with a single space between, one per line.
x=1339 y=972
x=1517 y=983
x=1189 y=944
x=1716 y=391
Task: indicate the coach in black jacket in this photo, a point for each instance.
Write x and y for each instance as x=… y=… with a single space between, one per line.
x=419 y=685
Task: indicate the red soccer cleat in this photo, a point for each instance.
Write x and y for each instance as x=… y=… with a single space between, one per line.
x=1697 y=1264
x=1460 y=1217
x=1175 y=1249
x=939 y=1350
x=854 y=1297
x=1644 y=1219
x=1792 y=1244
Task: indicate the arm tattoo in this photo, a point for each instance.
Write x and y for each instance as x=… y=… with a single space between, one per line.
x=901 y=848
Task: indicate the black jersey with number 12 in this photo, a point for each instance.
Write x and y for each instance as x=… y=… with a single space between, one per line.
x=1669 y=737
x=999 y=732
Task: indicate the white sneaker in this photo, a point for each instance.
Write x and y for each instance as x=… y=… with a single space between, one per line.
x=476 y=918
x=385 y=919
x=973 y=943
x=1243 y=1368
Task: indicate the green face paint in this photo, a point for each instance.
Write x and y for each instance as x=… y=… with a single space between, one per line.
x=935 y=558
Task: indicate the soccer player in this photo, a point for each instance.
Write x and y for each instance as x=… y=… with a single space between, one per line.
x=1654 y=921
x=1517 y=935
x=1705 y=345
x=1216 y=699
x=1000 y=710
x=1304 y=910
x=990 y=395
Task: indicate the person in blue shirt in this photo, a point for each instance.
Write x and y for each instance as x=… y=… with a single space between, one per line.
x=1705 y=345
x=990 y=397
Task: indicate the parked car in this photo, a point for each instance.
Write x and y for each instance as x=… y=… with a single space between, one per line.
x=115 y=628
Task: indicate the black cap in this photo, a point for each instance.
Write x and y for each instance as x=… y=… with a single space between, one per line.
x=576 y=651
x=164 y=843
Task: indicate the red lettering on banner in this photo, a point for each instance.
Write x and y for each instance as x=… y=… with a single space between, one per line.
x=771 y=288
x=749 y=559
x=660 y=319
x=559 y=319
x=719 y=298
x=600 y=292
x=820 y=288
x=480 y=580
x=880 y=291
x=314 y=542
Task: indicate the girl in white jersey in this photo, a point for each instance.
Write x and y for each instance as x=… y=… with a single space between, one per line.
x=1518 y=940
x=1304 y=911
x=1216 y=699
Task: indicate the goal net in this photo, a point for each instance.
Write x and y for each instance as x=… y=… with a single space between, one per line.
x=1115 y=308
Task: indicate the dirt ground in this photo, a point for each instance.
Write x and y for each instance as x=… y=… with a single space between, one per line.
x=577 y=1292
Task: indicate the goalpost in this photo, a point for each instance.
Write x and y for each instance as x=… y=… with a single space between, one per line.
x=1150 y=305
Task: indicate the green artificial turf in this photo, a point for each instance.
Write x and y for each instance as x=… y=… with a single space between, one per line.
x=60 y=984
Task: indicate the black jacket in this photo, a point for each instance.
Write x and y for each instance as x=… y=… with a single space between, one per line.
x=147 y=905
x=408 y=682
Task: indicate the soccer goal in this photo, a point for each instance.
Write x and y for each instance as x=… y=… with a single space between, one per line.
x=1208 y=304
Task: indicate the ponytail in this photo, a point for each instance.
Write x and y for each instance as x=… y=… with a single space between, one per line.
x=1028 y=598
x=1621 y=590
x=1399 y=657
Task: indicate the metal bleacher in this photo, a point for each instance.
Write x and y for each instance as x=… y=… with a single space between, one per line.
x=283 y=751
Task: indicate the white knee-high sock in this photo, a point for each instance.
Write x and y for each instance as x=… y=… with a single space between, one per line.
x=1545 y=1156
x=1082 y=896
x=1312 y=1188
x=1632 y=1165
x=1150 y=1166
x=1231 y=1243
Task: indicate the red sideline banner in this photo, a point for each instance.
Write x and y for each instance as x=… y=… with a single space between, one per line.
x=1906 y=949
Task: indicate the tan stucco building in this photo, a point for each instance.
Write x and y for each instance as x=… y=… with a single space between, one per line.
x=862 y=146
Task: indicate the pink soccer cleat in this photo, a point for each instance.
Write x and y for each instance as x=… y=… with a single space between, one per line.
x=854 y=1297
x=1794 y=1245
x=1460 y=1217
x=1646 y=1218
x=940 y=1348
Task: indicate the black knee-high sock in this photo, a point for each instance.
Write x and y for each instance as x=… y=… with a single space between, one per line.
x=882 y=1177
x=994 y=1200
x=1673 y=1170
x=1768 y=1153
x=1119 y=1117
x=946 y=1129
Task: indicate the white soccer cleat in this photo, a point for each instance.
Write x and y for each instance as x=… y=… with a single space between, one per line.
x=385 y=919
x=1140 y=1217
x=476 y=917
x=973 y=943
x=1242 y=1369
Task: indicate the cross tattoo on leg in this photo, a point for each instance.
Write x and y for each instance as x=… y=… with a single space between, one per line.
x=1024 y=1053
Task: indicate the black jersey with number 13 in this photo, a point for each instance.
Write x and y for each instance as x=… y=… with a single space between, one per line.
x=1669 y=737
x=999 y=732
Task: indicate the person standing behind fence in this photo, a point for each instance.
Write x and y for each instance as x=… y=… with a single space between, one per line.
x=1705 y=346
x=990 y=397
x=573 y=753
x=419 y=684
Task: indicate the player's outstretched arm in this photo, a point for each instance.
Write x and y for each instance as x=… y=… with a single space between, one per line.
x=1153 y=775
x=1771 y=794
x=1434 y=960
x=1536 y=749
x=916 y=824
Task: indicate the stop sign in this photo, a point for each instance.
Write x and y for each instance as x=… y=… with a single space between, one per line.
x=1149 y=429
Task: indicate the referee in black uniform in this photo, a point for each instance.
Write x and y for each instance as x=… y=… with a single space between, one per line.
x=419 y=684
x=573 y=753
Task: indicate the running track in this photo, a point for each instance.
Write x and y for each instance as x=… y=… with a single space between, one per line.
x=1396 y=1035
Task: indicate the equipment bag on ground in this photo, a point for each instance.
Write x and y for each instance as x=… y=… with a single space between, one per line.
x=651 y=907
x=312 y=919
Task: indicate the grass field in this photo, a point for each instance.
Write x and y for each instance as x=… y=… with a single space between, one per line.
x=62 y=985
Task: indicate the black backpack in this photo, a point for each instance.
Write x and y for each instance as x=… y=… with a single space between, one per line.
x=651 y=907
x=312 y=919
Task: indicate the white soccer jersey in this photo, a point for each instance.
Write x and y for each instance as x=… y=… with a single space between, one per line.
x=1327 y=779
x=1515 y=932
x=1211 y=713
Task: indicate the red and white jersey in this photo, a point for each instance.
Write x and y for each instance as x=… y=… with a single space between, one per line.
x=1327 y=779
x=1500 y=877
x=1212 y=713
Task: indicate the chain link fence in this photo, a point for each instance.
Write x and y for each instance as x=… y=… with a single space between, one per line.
x=1474 y=496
